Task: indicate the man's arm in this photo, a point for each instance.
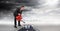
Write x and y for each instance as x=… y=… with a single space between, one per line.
x=23 y=21
x=20 y=12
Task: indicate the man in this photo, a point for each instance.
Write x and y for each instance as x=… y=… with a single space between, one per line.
x=16 y=16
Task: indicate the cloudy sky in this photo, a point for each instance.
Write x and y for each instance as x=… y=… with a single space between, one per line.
x=39 y=12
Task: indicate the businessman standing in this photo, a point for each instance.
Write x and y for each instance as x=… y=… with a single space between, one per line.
x=18 y=13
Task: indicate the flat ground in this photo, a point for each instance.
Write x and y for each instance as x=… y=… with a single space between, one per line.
x=36 y=27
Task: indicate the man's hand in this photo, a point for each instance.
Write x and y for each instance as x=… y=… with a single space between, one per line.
x=19 y=14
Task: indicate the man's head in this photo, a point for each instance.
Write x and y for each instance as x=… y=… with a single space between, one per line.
x=22 y=8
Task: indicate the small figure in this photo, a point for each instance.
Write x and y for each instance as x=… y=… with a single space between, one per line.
x=18 y=16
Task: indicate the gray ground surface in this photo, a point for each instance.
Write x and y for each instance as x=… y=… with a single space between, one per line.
x=36 y=27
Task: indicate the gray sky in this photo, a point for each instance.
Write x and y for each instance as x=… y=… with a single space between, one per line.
x=45 y=12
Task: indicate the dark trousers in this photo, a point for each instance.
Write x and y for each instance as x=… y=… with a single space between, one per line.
x=15 y=22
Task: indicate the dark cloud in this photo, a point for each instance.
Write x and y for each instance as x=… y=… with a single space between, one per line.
x=6 y=8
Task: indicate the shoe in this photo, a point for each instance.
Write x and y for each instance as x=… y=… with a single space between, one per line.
x=15 y=27
x=19 y=25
